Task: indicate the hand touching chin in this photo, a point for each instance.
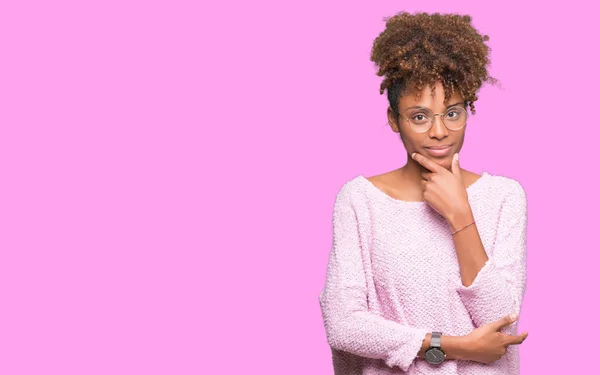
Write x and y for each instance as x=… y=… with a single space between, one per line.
x=444 y=162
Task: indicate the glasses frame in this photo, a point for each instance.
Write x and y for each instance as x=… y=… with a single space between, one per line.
x=433 y=119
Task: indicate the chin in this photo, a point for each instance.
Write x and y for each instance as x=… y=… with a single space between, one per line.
x=445 y=162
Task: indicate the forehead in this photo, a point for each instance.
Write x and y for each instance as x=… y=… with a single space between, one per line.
x=429 y=98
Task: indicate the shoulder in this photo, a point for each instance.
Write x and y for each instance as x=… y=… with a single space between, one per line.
x=350 y=190
x=507 y=185
x=509 y=190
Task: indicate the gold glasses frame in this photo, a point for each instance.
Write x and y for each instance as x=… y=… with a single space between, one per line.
x=433 y=116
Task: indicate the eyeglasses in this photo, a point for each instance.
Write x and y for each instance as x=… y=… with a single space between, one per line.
x=421 y=119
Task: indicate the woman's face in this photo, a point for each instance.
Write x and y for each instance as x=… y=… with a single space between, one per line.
x=438 y=135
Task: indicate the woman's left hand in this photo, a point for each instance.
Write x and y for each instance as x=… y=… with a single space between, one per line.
x=444 y=190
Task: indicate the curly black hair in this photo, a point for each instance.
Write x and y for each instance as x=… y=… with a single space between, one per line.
x=416 y=50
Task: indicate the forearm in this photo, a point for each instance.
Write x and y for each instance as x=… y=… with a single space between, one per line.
x=491 y=287
x=455 y=347
x=467 y=242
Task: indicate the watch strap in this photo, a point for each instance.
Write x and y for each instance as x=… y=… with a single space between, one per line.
x=436 y=340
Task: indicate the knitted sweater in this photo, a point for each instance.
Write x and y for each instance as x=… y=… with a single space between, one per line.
x=393 y=276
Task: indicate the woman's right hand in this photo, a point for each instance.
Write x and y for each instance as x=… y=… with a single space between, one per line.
x=487 y=345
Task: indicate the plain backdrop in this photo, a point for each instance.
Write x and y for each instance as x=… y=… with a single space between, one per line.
x=168 y=172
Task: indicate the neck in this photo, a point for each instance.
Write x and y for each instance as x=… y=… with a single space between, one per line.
x=412 y=170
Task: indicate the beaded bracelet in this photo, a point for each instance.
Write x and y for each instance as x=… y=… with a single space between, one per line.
x=458 y=230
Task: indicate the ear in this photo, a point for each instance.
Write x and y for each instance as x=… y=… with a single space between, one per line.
x=392 y=120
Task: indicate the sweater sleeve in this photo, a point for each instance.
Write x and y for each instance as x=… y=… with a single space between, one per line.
x=499 y=286
x=349 y=324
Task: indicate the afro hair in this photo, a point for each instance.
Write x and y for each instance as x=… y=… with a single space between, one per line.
x=417 y=50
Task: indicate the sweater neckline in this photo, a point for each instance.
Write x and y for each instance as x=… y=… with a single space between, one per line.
x=484 y=176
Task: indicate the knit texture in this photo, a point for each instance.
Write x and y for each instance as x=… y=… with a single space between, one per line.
x=393 y=276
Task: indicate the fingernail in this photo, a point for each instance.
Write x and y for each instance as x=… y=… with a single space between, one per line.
x=457 y=156
x=513 y=316
x=413 y=155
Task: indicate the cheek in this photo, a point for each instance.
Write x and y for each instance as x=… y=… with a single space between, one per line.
x=410 y=139
x=410 y=144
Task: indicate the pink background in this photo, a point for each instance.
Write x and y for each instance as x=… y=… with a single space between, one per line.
x=168 y=171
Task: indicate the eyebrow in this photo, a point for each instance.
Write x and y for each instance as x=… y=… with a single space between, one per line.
x=451 y=105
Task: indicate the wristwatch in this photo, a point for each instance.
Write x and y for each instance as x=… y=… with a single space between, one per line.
x=435 y=355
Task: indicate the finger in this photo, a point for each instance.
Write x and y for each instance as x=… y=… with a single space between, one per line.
x=519 y=337
x=427 y=175
x=456 y=166
x=516 y=340
x=426 y=162
x=505 y=321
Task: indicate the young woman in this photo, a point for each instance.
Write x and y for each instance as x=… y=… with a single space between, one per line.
x=427 y=269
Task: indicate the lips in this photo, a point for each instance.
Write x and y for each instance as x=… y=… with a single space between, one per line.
x=441 y=147
x=439 y=150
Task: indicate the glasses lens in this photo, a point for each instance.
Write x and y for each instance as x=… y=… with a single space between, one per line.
x=455 y=118
x=421 y=120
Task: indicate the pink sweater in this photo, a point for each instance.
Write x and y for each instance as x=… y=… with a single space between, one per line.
x=393 y=276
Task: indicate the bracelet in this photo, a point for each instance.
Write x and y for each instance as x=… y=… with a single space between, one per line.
x=458 y=230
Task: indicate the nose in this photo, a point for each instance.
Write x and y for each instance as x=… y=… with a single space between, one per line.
x=438 y=129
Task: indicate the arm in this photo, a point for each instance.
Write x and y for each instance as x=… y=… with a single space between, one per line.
x=349 y=324
x=494 y=287
x=455 y=347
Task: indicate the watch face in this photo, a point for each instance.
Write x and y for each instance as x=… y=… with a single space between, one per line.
x=435 y=356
